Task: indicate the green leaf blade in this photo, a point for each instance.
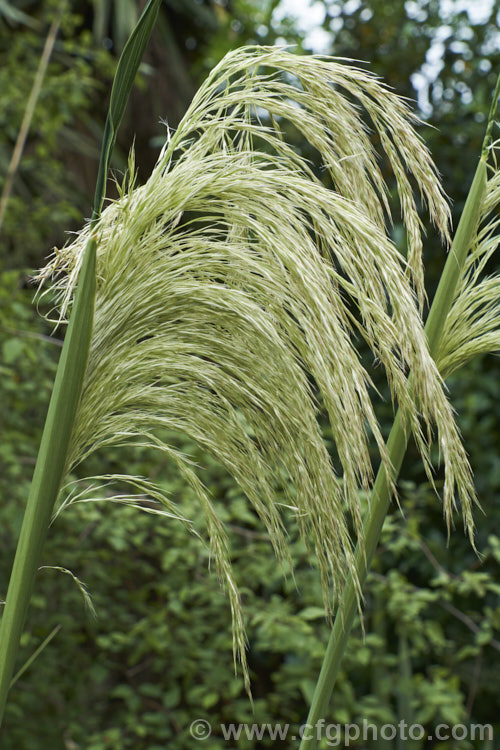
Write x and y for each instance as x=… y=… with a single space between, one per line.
x=49 y=468
x=122 y=85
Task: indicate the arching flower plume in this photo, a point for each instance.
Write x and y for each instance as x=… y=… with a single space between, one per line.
x=231 y=285
x=473 y=324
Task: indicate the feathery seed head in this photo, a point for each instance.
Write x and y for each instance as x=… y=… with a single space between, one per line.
x=473 y=324
x=228 y=280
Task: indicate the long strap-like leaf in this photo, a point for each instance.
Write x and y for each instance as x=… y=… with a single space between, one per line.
x=56 y=436
x=125 y=74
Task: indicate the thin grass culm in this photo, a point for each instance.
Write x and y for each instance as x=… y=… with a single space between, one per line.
x=463 y=321
x=229 y=279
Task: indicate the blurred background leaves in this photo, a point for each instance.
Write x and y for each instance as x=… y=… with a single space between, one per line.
x=159 y=654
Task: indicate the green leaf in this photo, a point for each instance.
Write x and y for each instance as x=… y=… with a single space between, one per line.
x=122 y=85
x=312 y=613
x=11 y=349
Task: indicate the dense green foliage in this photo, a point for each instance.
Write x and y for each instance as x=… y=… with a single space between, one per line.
x=159 y=654
x=50 y=193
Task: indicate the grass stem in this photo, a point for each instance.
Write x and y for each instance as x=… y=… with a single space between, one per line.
x=30 y=110
x=396 y=447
